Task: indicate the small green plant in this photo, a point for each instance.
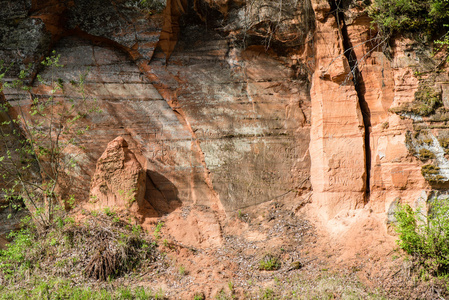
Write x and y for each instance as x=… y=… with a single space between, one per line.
x=109 y=212
x=231 y=286
x=137 y=230
x=269 y=263
x=199 y=296
x=182 y=270
x=160 y=294
x=426 y=237
x=242 y=216
x=157 y=230
x=267 y=294
x=221 y=295
x=130 y=198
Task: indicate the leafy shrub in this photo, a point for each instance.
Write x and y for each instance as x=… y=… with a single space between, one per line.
x=35 y=166
x=426 y=237
x=410 y=15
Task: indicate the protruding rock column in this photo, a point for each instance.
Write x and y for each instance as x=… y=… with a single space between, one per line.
x=338 y=172
x=119 y=180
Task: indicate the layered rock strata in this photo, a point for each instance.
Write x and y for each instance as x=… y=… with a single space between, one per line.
x=242 y=103
x=119 y=180
x=338 y=158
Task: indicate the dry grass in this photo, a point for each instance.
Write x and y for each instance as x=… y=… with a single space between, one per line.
x=101 y=248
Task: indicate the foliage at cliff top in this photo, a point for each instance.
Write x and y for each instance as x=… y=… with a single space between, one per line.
x=426 y=16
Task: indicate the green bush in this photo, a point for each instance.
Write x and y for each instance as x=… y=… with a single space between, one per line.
x=409 y=15
x=426 y=237
x=15 y=259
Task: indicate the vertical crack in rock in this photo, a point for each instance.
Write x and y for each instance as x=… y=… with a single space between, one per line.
x=337 y=8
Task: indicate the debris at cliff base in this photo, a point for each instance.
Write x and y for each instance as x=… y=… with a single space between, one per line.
x=100 y=246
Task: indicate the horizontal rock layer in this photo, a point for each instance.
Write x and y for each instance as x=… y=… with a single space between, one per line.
x=255 y=103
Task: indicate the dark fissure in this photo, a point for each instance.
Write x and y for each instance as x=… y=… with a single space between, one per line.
x=337 y=9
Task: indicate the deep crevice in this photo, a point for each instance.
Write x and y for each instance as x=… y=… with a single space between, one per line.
x=337 y=9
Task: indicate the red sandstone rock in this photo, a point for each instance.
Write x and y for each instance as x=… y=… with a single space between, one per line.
x=224 y=126
x=119 y=180
x=338 y=173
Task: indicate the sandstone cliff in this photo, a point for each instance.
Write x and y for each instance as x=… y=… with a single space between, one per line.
x=230 y=104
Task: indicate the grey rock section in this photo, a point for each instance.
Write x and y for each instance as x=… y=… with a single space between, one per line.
x=122 y=22
x=23 y=41
x=17 y=9
x=286 y=22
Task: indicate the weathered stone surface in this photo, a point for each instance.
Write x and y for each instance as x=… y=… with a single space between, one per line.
x=226 y=112
x=14 y=9
x=120 y=22
x=252 y=126
x=388 y=83
x=227 y=121
x=119 y=179
x=293 y=21
x=23 y=42
x=338 y=173
x=131 y=108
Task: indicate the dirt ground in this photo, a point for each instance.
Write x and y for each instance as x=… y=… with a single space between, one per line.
x=352 y=256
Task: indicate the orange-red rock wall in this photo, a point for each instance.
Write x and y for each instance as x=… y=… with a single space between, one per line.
x=239 y=114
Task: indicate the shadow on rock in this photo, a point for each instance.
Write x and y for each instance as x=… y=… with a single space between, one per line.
x=161 y=193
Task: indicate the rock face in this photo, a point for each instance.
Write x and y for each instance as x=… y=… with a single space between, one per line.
x=338 y=172
x=3 y=243
x=258 y=101
x=119 y=179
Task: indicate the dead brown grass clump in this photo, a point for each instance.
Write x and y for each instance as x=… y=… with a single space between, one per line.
x=99 y=247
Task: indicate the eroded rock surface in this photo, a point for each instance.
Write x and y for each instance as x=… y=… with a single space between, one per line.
x=251 y=102
x=119 y=179
x=338 y=172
